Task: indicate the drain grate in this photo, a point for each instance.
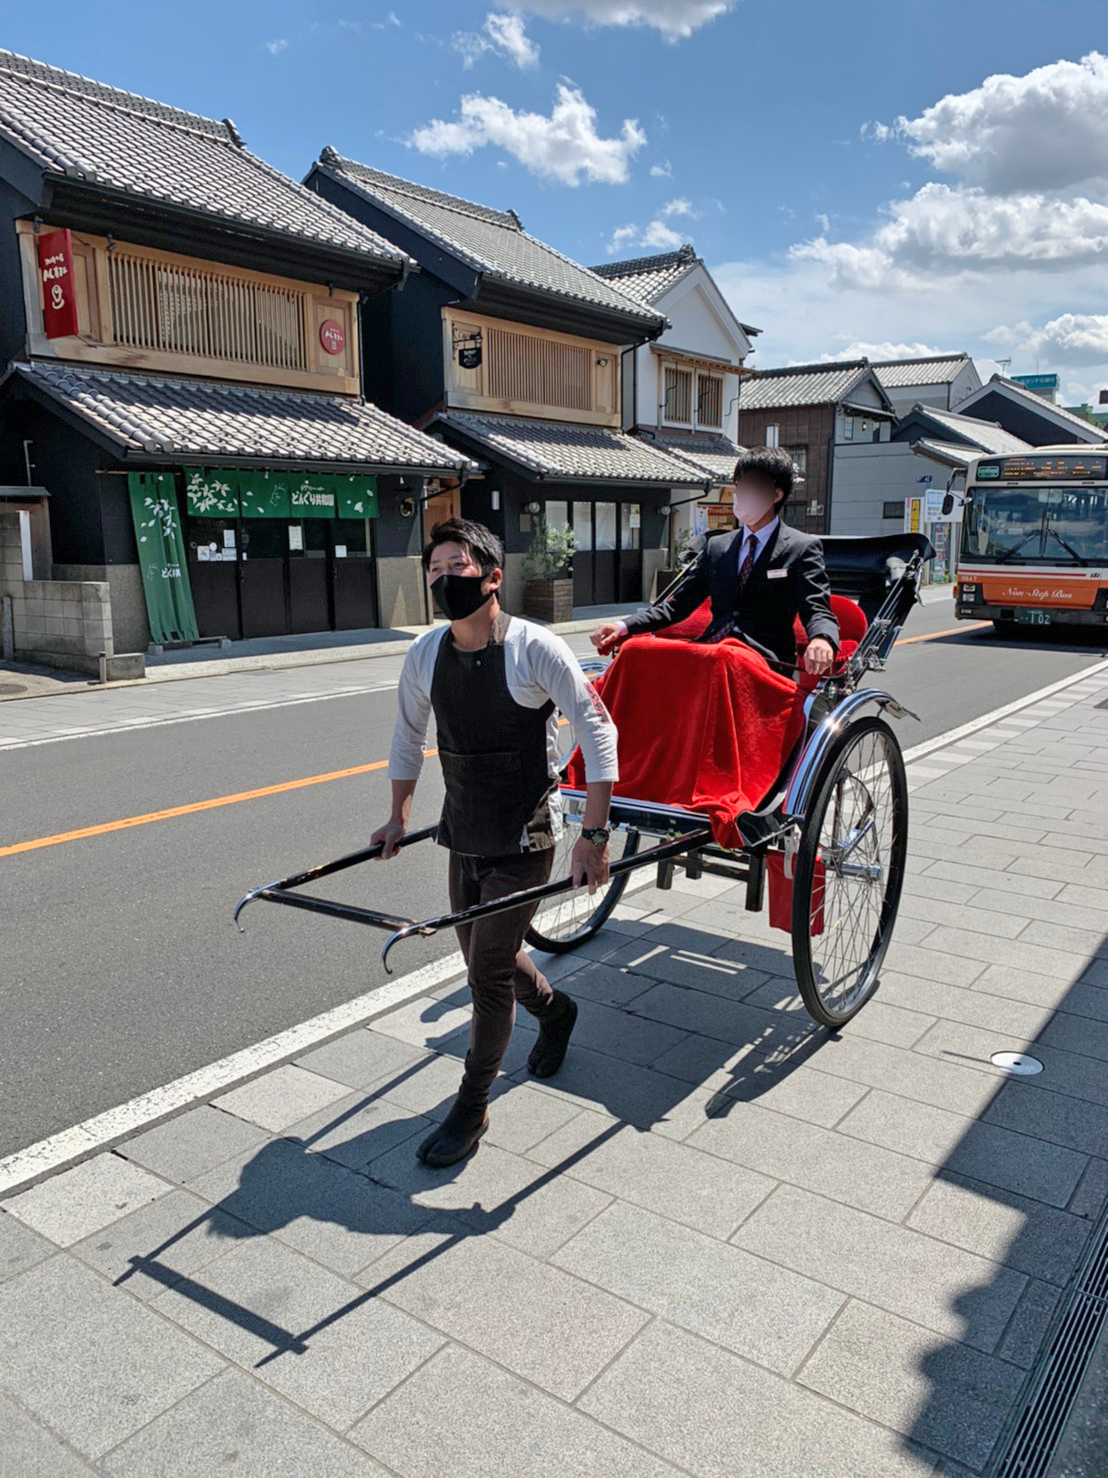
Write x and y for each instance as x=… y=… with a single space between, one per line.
x=1045 y=1404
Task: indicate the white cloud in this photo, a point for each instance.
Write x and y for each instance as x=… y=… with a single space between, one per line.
x=1071 y=339
x=659 y=235
x=886 y=349
x=1046 y=130
x=275 y=48
x=674 y=19
x=623 y=236
x=663 y=171
x=678 y=207
x=654 y=234
x=502 y=32
x=562 y=147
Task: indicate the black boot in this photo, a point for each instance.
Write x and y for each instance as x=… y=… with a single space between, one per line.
x=548 y=1053
x=455 y=1138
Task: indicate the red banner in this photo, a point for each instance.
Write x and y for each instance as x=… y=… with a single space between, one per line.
x=59 y=293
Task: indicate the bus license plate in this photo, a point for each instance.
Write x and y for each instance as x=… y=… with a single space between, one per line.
x=1033 y=618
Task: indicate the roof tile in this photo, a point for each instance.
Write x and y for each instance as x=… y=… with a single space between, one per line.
x=564 y=449
x=199 y=418
x=897 y=373
x=649 y=278
x=705 y=450
x=806 y=384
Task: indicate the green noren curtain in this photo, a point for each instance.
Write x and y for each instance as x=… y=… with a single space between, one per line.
x=161 y=550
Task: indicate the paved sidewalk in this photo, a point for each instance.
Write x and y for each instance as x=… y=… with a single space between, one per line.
x=719 y=1243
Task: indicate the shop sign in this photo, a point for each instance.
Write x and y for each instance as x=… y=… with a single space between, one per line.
x=356 y=497
x=913 y=515
x=161 y=551
x=211 y=494
x=59 y=294
x=332 y=336
x=313 y=497
x=265 y=494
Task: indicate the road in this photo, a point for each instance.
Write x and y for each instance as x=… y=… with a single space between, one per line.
x=120 y=969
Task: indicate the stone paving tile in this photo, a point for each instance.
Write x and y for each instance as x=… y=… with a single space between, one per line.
x=262 y=1297
x=1023 y=1339
x=880 y=1021
x=1026 y=1235
x=605 y=984
x=520 y=1117
x=497 y=1191
x=982 y=917
x=1086 y=1033
x=695 y=1189
x=234 y=1423
x=461 y=1415
x=861 y=1175
x=1016 y=985
x=112 y=1250
x=92 y=1364
x=1097 y=974
x=754 y=1308
x=30 y=1450
x=339 y=1219
x=1085 y=897
x=935 y=964
x=69 y=1206
x=924 y=885
x=733 y=1022
x=193 y=1142
x=974 y=1007
x=1091 y=1195
x=281 y=1097
x=781 y=1083
x=356 y=1131
x=534 y=1319
x=423 y=1023
x=1065 y=1072
x=1015 y=881
x=694 y=966
x=20 y=1248
x=1050 y=911
x=941 y=1394
x=636 y=1095
x=428 y=1088
x=1013 y=1162
x=361 y=1059
x=630 y=1038
x=1054 y=867
x=1065 y=933
x=735 y=1420
x=947 y=1290
x=964 y=1090
x=1056 y=1117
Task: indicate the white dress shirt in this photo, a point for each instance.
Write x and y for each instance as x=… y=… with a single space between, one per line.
x=760 y=539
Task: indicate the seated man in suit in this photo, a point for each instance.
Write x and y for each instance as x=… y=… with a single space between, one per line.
x=759 y=578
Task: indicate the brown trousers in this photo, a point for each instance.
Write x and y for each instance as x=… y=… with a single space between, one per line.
x=500 y=972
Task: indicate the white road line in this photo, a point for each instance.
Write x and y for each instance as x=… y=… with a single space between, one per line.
x=25 y=1167
x=28 y=1166
x=129 y=726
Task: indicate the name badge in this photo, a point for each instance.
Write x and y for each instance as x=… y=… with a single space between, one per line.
x=776 y=574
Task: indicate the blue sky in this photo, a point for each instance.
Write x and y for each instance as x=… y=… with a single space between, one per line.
x=767 y=134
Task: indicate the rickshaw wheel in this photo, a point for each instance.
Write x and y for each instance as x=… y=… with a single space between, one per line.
x=850 y=871
x=571 y=918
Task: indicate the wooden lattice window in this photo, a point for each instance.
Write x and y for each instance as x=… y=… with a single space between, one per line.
x=535 y=371
x=184 y=310
x=677 y=395
x=709 y=402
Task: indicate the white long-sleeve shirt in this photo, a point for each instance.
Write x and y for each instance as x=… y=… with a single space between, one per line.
x=539 y=667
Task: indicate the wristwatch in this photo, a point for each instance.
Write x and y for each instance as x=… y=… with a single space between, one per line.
x=598 y=835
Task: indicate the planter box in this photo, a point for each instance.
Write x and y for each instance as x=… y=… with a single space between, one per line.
x=548 y=600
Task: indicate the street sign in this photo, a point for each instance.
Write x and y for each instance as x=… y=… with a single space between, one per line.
x=934 y=506
x=913 y=515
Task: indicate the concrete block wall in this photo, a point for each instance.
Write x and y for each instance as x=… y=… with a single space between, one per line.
x=59 y=623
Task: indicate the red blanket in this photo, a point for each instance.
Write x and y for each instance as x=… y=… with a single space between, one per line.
x=704 y=728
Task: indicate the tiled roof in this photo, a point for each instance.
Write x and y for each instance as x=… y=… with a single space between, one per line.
x=1037 y=402
x=805 y=384
x=987 y=435
x=568 y=450
x=492 y=242
x=946 y=451
x=707 y=451
x=147 y=414
x=647 y=278
x=70 y=125
x=895 y=373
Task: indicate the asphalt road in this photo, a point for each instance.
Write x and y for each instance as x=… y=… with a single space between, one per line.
x=119 y=967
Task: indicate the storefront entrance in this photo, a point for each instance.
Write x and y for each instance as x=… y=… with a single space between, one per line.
x=273 y=577
x=607 y=562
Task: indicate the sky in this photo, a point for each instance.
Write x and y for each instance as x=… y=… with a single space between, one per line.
x=894 y=178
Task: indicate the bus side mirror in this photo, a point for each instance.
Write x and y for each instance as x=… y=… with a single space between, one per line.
x=948 y=505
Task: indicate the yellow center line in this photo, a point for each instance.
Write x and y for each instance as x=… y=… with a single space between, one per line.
x=126 y=823
x=906 y=641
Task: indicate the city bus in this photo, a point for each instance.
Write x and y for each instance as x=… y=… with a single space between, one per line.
x=1034 y=546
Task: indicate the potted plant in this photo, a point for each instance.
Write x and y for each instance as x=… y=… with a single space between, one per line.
x=548 y=591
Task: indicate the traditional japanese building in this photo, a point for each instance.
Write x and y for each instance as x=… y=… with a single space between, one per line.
x=512 y=353
x=184 y=392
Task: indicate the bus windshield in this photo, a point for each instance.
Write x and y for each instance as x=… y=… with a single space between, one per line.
x=1043 y=525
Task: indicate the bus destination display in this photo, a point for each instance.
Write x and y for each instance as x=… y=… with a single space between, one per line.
x=1057 y=467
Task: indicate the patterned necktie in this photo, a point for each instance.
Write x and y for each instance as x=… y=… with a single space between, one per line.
x=748 y=560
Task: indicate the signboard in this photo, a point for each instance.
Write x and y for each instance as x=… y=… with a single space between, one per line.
x=1055 y=467
x=913 y=515
x=470 y=359
x=212 y=492
x=59 y=293
x=332 y=336
x=1040 y=384
x=934 y=509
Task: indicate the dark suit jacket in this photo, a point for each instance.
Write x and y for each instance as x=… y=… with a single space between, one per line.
x=788 y=580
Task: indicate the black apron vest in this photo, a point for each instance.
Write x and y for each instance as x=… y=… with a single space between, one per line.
x=493 y=753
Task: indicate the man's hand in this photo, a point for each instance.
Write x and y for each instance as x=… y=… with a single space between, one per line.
x=589 y=864
x=819 y=656
x=388 y=837
x=607 y=637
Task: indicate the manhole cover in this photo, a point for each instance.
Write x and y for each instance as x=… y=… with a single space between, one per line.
x=7 y=689
x=1017 y=1062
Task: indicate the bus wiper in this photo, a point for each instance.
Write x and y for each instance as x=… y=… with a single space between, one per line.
x=1015 y=548
x=1080 y=558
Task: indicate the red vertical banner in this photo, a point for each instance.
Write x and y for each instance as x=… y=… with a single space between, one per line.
x=59 y=292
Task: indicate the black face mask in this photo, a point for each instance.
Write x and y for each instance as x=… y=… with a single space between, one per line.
x=459 y=596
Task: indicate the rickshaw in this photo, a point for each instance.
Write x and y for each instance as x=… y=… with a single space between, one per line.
x=831 y=834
